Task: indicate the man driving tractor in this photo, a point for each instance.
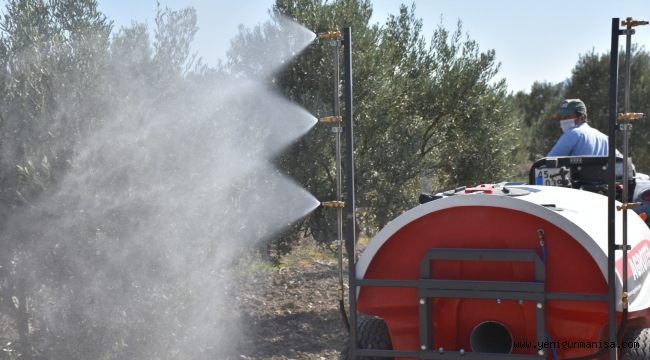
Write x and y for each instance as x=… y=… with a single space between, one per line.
x=578 y=138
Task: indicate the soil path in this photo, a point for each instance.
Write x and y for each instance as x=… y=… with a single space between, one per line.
x=289 y=313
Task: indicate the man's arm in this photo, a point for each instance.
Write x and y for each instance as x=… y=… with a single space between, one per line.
x=564 y=145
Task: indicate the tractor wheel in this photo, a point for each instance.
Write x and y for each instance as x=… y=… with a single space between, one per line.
x=640 y=338
x=372 y=333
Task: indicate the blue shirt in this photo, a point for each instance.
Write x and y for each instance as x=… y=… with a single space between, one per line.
x=582 y=140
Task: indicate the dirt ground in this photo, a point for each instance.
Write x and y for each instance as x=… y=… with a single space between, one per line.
x=288 y=311
x=291 y=312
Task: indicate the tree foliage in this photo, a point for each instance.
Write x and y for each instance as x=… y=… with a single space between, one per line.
x=535 y=109
x=62 y=78
x=428 y=112
x=589 y=81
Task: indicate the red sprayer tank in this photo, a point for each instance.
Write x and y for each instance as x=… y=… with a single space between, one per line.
x=502 y=264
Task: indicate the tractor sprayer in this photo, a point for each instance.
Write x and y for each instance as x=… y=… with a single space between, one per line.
x=553 y=268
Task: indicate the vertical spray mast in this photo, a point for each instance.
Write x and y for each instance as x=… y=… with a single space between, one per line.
x=625 y=120
x=622 y=121
x=351 y=238
x=611 y=186
x=333 y=39
x=336 y=40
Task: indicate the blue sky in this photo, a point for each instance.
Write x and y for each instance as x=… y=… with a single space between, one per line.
x=534 y=40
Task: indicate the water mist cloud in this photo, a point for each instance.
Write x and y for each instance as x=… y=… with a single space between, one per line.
x=269 y=47
x=127 y=256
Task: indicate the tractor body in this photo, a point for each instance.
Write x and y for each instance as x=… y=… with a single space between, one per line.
x=516 y=269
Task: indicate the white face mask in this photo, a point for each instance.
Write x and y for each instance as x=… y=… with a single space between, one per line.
x=567 y=124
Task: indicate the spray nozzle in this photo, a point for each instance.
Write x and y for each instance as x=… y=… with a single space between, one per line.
x=632 y=23
x=630 y=116
x=331 y=120
x=330 y=36
x=333 y=204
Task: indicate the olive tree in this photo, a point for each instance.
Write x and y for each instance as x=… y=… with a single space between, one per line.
x=424 y=109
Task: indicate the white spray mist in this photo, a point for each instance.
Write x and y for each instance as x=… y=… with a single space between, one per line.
x=126 y=258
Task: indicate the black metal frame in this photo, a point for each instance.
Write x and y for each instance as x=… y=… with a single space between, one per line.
x=351 y=234
x=468 y=289
x=611 y=183
x=429 y=289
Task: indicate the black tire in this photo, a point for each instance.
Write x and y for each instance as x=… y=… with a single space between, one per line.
x=372 y=333
x=632 y=338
